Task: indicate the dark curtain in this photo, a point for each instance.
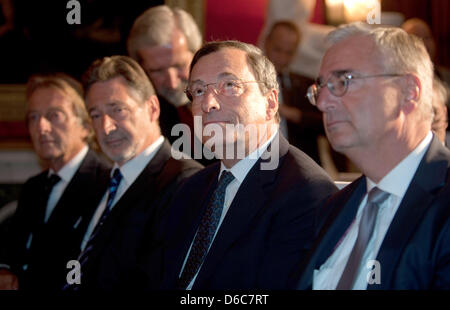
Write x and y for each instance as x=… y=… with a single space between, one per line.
x=435 y=13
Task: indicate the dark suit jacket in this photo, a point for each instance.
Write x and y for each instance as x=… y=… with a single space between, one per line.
x=112 y=264
x=57 y=241
x=303 y=134
x=416 y=249
x=268 y=227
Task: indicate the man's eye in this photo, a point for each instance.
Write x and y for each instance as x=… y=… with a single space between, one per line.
x=94 y=115
x=230 y=84
x=198 y=91
x=55 y=116
x=119 y=110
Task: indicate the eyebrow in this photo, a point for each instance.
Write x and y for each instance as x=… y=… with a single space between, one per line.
x=337 y=73
x=109 y=104
x=219 y=77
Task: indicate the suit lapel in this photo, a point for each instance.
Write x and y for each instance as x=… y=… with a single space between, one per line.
x=242 y=210
x=143 y=188
x=69 y=215
x=345 y=205
x=184 y=233
x=428 y=179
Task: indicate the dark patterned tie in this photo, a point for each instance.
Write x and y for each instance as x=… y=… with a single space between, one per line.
x=375 y=198
x=206 y=231
x=84 y=255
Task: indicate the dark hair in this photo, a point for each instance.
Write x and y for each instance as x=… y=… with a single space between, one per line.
x=286 y=24
x=259 y=64
x=108 y=68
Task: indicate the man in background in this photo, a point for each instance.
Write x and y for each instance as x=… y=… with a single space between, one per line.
x=300 y=123
x=163 y=41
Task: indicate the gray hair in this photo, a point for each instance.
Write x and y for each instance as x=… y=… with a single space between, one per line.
x=400 y=52
x=155 y=27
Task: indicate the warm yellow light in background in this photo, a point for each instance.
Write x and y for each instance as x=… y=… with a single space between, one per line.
x=346 y=11
x=357 y=10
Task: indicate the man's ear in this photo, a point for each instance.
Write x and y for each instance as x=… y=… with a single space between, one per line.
x=272 y=104
x=412 y=90
x=153 y=108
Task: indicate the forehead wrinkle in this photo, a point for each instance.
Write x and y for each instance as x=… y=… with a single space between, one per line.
x=219 y=77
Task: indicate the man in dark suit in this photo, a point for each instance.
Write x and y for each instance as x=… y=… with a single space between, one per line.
x=301 y=123
x=390 y=228
x=48 y=226
x=241 y=223
x=124 y=109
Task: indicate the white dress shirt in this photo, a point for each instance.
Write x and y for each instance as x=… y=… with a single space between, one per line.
x=239 y=171
x=396 y=183
x=130 y=171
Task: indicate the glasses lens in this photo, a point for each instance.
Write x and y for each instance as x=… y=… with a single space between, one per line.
x=337 y=85
x=230 y=88
x=312 y=94
x=188 y=94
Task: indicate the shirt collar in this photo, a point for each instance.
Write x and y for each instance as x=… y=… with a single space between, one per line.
x=68 y=170
x=242 y=167
x=397 y=181
x=132 y=168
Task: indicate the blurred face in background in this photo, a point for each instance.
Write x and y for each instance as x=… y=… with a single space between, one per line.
x=281 y=47
x=56 y=132
x=167 y=66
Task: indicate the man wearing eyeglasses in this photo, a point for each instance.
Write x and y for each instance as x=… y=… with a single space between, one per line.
x=390 y=229
x=240 y=223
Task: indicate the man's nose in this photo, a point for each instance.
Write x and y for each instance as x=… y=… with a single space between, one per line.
x=172 y=78
x=326 y=100
x=108 y=124
x=210 y=100
x=44 y=125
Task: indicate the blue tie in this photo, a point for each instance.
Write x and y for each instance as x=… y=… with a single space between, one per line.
x=84 y=255
x=206 y=231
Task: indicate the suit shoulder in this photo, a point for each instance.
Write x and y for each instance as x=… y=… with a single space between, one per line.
x=35 y=179
x=299 y=163
x=201 y=176
x=95 y=159
x=182 y=167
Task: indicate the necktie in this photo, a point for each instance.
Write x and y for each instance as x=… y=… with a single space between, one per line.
x=206 y=230
x=49 y=183
x=84 y=255
x=366 y=226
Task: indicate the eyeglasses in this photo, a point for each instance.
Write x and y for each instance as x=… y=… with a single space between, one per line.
x=227 y=88
x=337 y=84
